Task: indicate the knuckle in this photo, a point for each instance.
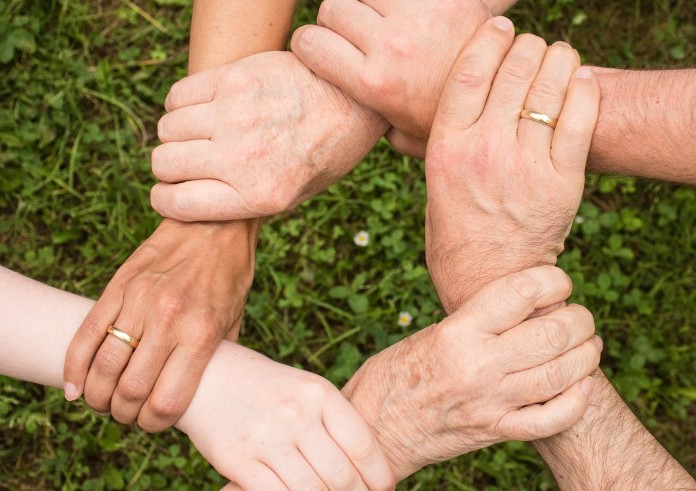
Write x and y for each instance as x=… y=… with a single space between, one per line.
x=554 y=377
x=344 y=477
x=171 y=305
x=107 y=363
x=93 y=329
x=399 y=47
x=167 y=406
x=555 y=335
x=325 y=11
x=207 y=334
x=545 y=89
x=133 y=389
x=524 y=287
x=466 y=76
x=518 y=71
x=363 y=448
x=372 y=83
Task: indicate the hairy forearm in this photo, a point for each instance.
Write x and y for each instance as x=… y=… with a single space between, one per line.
x=646 y=125
x=610 y=449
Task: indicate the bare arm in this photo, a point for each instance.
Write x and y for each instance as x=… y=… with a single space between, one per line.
x=609 y=448
x=646 y=124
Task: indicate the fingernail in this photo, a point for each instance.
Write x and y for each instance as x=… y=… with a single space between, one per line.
x=583 y=72
x=103 y=415
x=71 y=392
x=503 y=23
x=598 y=342
x=562 y=44
x=586 y=386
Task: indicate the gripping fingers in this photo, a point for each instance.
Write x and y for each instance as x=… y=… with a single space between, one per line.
x=188 y=123
x=201 y=200
x=548 y=93
x=470 y=80
x=515 y=297
x=186 y=161
x=254 y=476
x=541 y=339
x=350 y=432
x=354 y=21
x=542 y=383
x=545 y=420
x=573 y=135
x=86 y=342
x=296 y=472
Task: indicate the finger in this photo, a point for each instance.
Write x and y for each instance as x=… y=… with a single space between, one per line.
x=541 y=339
x=542 y=383
x=466 y=91
x=382 y=7
x=547 y=94
x=513 y=81
x=557 y=415
x=177 y=383
x=139 y=377
x=194 y=89
x=573 y=135
x=345 y=426
x=332 y=58
x=201 y=200
x=87 y=340
x=354 y=21
x=507 y=301
x=406 y=144
x=187 y=123
x=256 y=475
x=109 y=363
x=330 y=463
x=296 y=473
x=187 y=161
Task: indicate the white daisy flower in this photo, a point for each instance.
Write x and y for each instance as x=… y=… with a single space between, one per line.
x=579 y=219
x=361 y=239
x=405 y=319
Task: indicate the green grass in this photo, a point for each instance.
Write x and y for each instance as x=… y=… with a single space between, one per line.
x=82 y=88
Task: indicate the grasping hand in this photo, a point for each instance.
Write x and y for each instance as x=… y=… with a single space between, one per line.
x=255 y=138
x=503 y=191
x=267 y=427
x=392 y=56
x=179 y=293
x=483 y=375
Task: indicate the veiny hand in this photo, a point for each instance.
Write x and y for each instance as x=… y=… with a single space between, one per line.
x=255 y=138
x=267 y=426
x=483 y=375
x=392 y=56
x=503 y=191
x=179 y=293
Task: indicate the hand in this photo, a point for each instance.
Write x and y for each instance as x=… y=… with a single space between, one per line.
x=267 y=426
x=503 y=191
x=255 y=138
x=479 y=376
x=179 y=293
x=392 y=56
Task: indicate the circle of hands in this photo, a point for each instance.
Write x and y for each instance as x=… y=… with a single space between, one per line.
x=259 y=136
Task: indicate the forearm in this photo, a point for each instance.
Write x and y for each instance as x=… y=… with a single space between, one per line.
x=610 y=449
x=646 y=125
x=223 y=32
x=499 y=7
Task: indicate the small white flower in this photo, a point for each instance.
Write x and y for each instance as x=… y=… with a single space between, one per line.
x=405 y=319
x=361 y=239
x=579 y=219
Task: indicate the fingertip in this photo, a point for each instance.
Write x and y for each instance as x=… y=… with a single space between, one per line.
x=586 y=386
x=72 y=391
x=584 y=72
x=302 y=39
x=503 y=23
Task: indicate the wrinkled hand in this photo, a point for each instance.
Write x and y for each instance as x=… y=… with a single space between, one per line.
x=483 y=375
x=255 y=138
x=179 y=293
x=503 y=191
x=267 y=426
x=392 y=56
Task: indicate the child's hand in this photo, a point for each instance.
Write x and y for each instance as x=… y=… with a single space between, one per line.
x=268 y=426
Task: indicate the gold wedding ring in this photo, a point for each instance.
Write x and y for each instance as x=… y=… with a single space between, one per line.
x=544 y=119
x=125 y=337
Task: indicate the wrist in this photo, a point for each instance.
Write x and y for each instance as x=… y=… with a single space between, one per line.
x=498 y=7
